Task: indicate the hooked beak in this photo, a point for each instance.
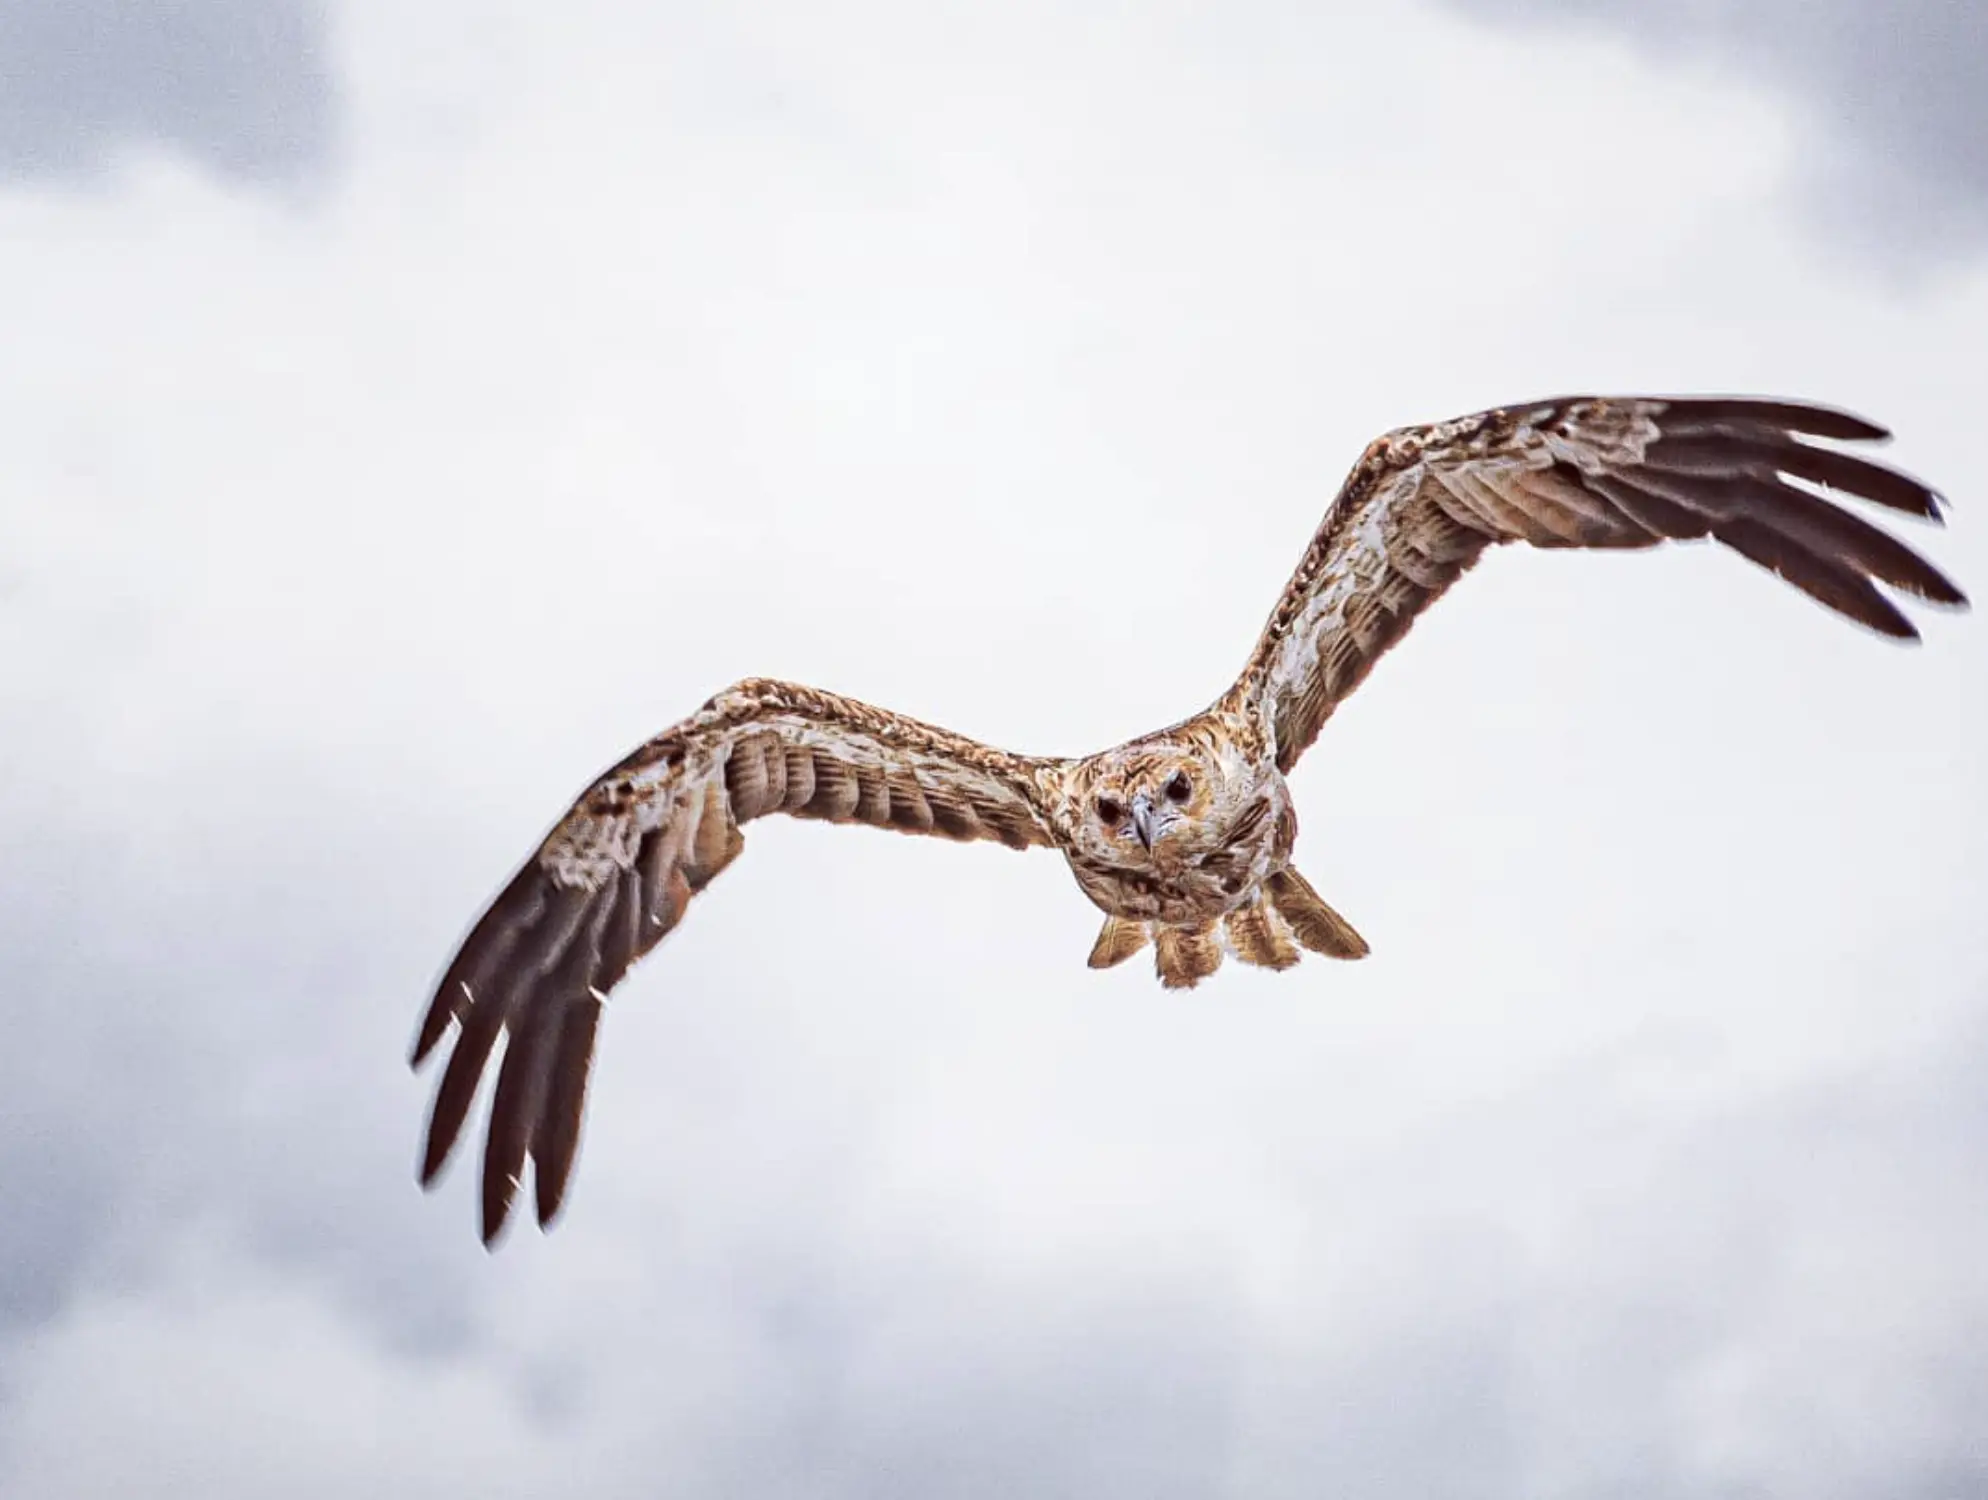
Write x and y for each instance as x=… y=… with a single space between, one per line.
x=1142 y=820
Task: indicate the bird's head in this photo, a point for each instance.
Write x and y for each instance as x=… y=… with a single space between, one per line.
x=1155 y=805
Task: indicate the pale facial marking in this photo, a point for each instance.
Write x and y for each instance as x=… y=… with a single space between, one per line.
x=1152 y=807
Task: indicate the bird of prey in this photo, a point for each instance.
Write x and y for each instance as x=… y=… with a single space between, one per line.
x=1182 y=837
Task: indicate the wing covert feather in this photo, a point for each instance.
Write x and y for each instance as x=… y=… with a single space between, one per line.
x=1423 y=503
x=618 y=871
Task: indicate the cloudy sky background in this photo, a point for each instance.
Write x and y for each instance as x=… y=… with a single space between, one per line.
x=409 y=408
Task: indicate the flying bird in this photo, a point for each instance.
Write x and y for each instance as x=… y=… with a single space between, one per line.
x=1183 y=838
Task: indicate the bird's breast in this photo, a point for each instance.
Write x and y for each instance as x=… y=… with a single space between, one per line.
x=1202 y=890
x=1191 y=895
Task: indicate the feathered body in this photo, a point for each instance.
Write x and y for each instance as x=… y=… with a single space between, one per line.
x=1184 y=837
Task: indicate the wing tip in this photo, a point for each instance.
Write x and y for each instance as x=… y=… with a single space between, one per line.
x=497 y=1200
x=500 y=1204
x=435 y=1154
x=434 y=1026
x=1810 y=418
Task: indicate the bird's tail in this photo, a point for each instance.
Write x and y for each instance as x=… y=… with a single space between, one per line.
x=1287 y=915
x=1312 y=922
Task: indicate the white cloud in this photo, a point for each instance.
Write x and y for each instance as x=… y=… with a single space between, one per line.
x=995 y=369
x=1892 y=161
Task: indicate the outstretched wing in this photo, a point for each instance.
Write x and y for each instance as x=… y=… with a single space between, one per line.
x=614 y=876
x=1423 y=503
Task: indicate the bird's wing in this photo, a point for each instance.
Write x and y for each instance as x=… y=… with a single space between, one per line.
x=1423 y=503
x=616 y=872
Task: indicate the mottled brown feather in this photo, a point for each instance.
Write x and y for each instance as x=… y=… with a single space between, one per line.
x=873 y=796
x=1260 y=936
x=621 y=868
x=1184 y=956
x=837 y=790
x=1423 y=503
x=1313 y=923
x=1118 y=940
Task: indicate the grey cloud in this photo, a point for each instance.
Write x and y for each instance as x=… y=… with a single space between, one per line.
x=883 y=1192
x=1893 y=136
x=127 y=975
x=1469 y=1357
x=241 y=86
x=223 y=1054
x=1117 y=1390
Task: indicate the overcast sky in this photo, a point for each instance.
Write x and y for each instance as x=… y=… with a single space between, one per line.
x=1890 y=156
x=408 y=408
x=243 y=87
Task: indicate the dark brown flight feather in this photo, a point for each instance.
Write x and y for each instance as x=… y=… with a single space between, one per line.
x=619 y=870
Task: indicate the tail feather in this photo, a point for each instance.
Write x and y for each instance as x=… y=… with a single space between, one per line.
x=1260 y=936
x=1184 y=956
x=1313 y=923
x=1267 y=933
x=1119 y=940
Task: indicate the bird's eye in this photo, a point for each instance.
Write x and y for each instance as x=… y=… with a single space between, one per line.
x=1179 y=789
x=1110 y=810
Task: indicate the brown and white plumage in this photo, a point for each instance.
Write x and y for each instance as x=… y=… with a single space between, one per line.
x=1423 y=503
x=620 y=869
x=1182 y=837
